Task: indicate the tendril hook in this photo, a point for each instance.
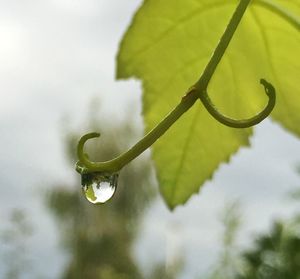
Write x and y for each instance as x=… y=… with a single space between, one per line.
x=242 y=123
x=84 y=165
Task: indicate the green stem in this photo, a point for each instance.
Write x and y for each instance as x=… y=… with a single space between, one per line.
x=84 y=165
x=122 y=160
x=209 y=70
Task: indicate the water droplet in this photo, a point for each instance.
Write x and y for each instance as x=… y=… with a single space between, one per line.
x=99 y=187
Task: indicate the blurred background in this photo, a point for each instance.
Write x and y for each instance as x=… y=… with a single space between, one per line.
x=57 y=65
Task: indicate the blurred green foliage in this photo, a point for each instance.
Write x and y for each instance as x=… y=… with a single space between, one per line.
x=228 y=262
x=100 y=238
x=273 y=255
x=15 y=240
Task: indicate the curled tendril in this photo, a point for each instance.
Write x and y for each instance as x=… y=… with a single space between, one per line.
x=84 y=165
x=242 y=123
x=81 y=164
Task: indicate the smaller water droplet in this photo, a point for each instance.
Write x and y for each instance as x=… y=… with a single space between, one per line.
x=99 y=187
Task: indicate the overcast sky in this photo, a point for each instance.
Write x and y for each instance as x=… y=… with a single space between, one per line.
x=55 y=56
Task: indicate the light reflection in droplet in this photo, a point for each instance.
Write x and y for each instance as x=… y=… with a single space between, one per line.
x=99 y=187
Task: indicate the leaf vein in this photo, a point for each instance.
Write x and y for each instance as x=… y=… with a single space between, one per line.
x=177 y=24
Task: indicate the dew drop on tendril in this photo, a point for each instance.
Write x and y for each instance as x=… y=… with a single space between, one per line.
x=99 y=187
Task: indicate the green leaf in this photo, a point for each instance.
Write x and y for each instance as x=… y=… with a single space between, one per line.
x=168 y=45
